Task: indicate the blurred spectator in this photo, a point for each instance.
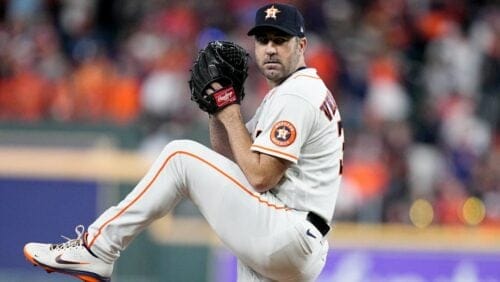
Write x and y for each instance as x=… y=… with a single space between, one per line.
x=26 y=94
x=320 y=56
x=62 y=107
x=450 y=197
x=90 y=84
x=165 y=88
x=23 y=10
x=487 y=185
x=122 y=98
x=386 y=99
x=426 y=166
x=365 y=178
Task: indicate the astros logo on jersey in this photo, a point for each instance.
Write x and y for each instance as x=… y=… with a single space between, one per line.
x=283 y=133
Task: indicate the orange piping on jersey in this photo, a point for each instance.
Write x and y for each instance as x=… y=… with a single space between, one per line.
x=232 y=179
x=241 y=186
x=275 y=151
x=305 y=75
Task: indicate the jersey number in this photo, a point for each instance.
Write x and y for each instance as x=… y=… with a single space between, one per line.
x=329 y=106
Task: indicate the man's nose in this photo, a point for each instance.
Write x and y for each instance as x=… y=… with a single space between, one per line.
x=270 y=47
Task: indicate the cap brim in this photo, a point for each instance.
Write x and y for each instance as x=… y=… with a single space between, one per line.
x=256 y=28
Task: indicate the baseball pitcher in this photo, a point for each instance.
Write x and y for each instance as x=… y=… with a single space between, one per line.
x=267 y=187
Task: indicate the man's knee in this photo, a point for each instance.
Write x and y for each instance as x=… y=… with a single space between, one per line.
x=183 y=145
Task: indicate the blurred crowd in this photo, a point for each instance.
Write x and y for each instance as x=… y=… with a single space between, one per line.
x=417 y=81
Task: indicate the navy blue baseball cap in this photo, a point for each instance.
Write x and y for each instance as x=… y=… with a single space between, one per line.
x=283 y=17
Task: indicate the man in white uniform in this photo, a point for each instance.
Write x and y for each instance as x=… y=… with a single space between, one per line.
x=268 y=188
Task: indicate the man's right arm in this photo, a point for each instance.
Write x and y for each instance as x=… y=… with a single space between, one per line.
x=218 y=138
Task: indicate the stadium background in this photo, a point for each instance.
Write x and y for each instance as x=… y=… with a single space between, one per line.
x=91 y=90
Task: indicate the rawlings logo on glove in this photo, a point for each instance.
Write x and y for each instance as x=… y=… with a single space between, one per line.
x=225 y=97
x=225 y=63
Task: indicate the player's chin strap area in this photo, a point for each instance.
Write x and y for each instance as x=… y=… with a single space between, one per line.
x=318 y=222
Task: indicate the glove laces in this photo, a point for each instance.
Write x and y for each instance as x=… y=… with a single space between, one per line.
x=71 y=243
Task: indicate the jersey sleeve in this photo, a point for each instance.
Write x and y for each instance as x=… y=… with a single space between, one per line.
x=285 y=127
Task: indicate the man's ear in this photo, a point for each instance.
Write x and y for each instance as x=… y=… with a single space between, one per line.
x=302 y=44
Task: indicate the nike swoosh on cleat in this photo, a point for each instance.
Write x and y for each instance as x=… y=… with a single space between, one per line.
x=63 y=261
x=308 y=233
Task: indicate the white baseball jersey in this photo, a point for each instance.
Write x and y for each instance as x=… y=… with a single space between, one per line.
x=299 y=121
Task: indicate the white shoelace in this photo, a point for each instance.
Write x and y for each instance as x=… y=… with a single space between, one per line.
x=71 y=243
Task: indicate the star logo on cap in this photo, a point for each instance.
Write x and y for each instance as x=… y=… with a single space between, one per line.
x=271 y=12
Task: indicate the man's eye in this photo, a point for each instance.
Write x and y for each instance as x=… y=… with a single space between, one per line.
x=275 y=40
x=279 y=40
x=262 y=39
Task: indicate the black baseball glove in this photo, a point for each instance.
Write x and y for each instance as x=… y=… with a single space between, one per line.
x=223 y=62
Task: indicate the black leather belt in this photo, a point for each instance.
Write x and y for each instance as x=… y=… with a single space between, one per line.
x=318 y=222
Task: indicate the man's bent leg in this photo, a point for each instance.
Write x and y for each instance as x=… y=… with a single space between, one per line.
x=253 y=225
x=153 y=197
x=185 y=168
x=242 y=218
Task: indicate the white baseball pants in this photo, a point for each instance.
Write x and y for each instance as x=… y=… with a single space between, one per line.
x=268 y=238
